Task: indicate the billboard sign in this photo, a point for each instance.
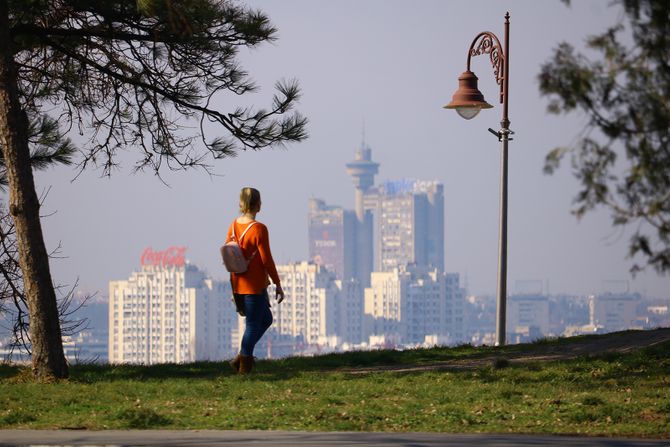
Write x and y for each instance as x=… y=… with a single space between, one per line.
x=171 y=257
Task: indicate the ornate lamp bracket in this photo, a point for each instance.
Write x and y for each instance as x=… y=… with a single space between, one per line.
x=487 y=43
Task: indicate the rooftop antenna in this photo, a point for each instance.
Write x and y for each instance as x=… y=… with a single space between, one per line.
x=363 y=134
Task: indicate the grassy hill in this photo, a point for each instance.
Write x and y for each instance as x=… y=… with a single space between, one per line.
x=614 y=384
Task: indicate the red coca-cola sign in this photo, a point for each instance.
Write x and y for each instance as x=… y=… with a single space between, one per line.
x=172 y=257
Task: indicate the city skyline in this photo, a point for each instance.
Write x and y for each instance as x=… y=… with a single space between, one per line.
x=397 y=86
x=169 y=311
x=165 y=298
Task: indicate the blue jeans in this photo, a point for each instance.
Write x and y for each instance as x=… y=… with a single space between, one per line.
x=258 y=320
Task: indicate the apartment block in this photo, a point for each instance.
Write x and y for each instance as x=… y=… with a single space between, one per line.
x=609 y=312
x=528 y=314
x=414 y=305
x=310 y=311
x=409 y=224
x=168 y=311
x=332 y=238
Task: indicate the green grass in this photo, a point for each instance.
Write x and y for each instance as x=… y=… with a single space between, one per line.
x=614 y=394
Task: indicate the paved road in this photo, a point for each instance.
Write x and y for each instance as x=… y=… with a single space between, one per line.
x=201 y=438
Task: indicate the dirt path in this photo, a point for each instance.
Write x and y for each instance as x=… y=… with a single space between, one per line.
x=577 y=347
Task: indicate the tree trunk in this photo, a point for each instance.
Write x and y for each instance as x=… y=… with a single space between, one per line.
x=45 y=334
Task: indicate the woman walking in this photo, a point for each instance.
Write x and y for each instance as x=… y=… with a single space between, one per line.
x=250 y=287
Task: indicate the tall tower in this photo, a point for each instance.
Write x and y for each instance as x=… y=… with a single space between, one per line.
x=362 y=170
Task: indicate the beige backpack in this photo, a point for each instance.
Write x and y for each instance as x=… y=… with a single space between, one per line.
x=232 y=255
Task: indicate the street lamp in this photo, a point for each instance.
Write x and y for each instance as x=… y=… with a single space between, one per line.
x=468 y=101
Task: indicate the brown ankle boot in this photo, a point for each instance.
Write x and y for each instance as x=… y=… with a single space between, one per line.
x=235 y=363
x=246 y=364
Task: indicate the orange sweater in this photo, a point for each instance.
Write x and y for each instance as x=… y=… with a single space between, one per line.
x=255 y=279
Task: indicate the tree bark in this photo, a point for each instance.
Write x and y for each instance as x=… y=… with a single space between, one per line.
x=48 y=359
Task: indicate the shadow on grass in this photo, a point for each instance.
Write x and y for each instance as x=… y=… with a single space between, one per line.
x=7 y=371
x=142 y=418
x=383 y=357
x=608 y=367
x=286 y=368
x=105 y=373
x=283 y=368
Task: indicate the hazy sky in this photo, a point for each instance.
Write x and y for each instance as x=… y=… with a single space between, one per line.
x=391 y=65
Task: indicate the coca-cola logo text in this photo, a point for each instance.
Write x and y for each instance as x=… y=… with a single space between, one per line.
x=172 y=257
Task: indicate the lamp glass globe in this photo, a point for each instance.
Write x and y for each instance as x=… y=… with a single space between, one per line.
x=468 y=112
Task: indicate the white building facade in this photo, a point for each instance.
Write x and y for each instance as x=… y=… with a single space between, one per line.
x=528 y=315
x=409 y=224
x=609 y=312
x=310 y=311
x=320 y=312
x=414 y=305
x=350 y=312
x=170 y=312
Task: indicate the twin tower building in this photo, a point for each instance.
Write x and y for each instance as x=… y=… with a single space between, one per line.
x=391 y=248
x=394 y=225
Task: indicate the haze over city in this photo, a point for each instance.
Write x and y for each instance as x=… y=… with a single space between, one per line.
x=378 y=71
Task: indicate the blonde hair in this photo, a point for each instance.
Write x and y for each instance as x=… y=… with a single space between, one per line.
x=250 y=200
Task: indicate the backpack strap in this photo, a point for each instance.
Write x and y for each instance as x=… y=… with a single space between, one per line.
x=232 y=236
x=253 y=222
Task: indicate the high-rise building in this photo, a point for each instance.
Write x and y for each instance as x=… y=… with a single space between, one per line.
x=350 y=319
x=320 y=310
x=409 y=224
x=362 y=171
x=332 y=238
x=310 y=312
x=341 y=240
x=169 y=311
x=415 y=305
x=528 y=314
x=394 y=224
x=611 y=312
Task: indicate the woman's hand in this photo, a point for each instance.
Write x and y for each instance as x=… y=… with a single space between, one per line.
x=279 y=294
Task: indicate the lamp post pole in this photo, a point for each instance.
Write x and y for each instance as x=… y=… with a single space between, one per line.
x=501 y=296
x=468 y=101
